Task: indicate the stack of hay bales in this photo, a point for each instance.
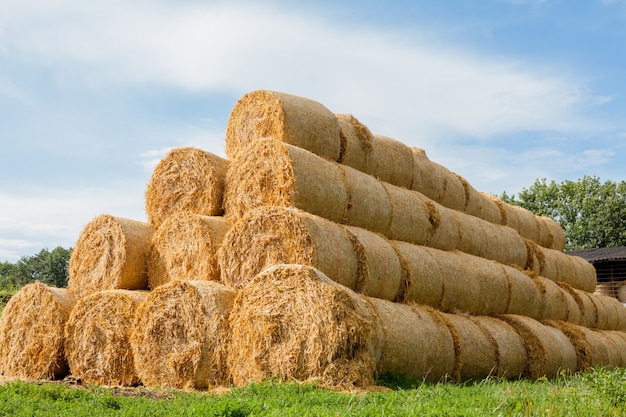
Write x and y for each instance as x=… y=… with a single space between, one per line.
x=317 y=251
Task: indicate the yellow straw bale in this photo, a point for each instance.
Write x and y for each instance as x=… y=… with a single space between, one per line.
x=418 y=341
x=186 y=179
x=356 y=140
x=273 y=235
x=526 y=297
x=611 y=312
x=549 y=351
x=559 y=266
x=97 y=344
x=381 y=273
x=110 y=253
x=555 y=306
x=437 y=182
x=414 y=217
x=392 y=161
x=619 y=343
x=292 y=119
x=185 y=247
x=292 y=322
x=512 y=360
x=605 y=288
x=588 y=309
x=481 y=204
x=181 y=335
x=31 y=332
x=269 y=172
x=477 y=353
x=425 y=275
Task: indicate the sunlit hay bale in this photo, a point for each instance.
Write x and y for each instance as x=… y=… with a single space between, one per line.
x=111 y=253
x=559 y=266
x=534 y=259
x=31 y=332
x=549 y=351
x=356 y=143
x=574 y=312
x=512 y=360
x=437 y=182
x=504 y=245
x=425 y=277
x=555 y=238
x=419 y=341
x=526 y=297
x=588 y=309
x=611 y=312
x=293 y=323
x=97 y=335
x=594 y=348
x=391 y=161
x=185 y=246
x=481 y=205
x=414 y=218
x=299 y=121
x=186 y=179
x=446 y=224
x=369 y=205
x=181 y=335
x=270 y=172
x=554 y=303
x=473 y=237
x=524 y=221
x=268 y=236
x=477 y=354
x=381 y=272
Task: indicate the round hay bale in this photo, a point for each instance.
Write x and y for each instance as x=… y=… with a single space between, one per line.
x=481 y=205
x=97 y=333
x=555 y=306
x=446 y=224
x=526 y=297
x=31 y=332
x=185 y=247
x=504 y=245
x=418 y=341
x=559 y=266
x=382 y=274
x=413 y=217
x=437 y=182
x=477 y=353
x=588 y=309
x=270 y=172
x=512 y=360
x=591 y=349
x=273 y=235
x=556 y=235
x=425 y=276
x=611 y=313
x=296 y=120
x=292 y=322
x=356 y=141
x=574 y=313
x=369 y=206
x=186 y=179
x=549 y=351
x=391 y=161
x=525 y=222
x=605 y=288
x=619 y=343
x=110 y=253
x=180 y=335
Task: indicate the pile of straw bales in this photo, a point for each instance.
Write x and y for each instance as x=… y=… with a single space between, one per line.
x=317 y=251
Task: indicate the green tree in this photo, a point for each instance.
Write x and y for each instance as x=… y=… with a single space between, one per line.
x=49 y=267
x=592 y=213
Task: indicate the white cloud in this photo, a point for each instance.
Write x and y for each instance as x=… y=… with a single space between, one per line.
x=398 y=83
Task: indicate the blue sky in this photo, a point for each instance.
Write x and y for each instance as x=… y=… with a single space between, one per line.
x=93 y=94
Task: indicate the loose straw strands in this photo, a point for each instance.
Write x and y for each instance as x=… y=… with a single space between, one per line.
x=110 y=253
x=186 y=179
x=97 y=336
x=32 y=332
x=185 y=247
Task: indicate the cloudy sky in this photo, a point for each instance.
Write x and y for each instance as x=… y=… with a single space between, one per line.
x=94 y=93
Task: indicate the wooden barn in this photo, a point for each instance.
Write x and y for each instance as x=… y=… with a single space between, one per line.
x=610 y=264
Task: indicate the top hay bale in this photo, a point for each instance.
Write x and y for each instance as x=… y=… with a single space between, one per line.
x=295 y=120
x=186 y=179
x=110 y=253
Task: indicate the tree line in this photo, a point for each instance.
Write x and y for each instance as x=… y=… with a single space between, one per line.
x=49 y=267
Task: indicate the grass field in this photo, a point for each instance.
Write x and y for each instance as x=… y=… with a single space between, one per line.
x=599 y=393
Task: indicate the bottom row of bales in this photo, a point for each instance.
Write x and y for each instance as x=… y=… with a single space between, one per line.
x=291 y=322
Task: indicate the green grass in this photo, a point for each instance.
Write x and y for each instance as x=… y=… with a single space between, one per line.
x=600 y=393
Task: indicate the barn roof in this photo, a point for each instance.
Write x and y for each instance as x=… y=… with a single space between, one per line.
x=597 y=255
